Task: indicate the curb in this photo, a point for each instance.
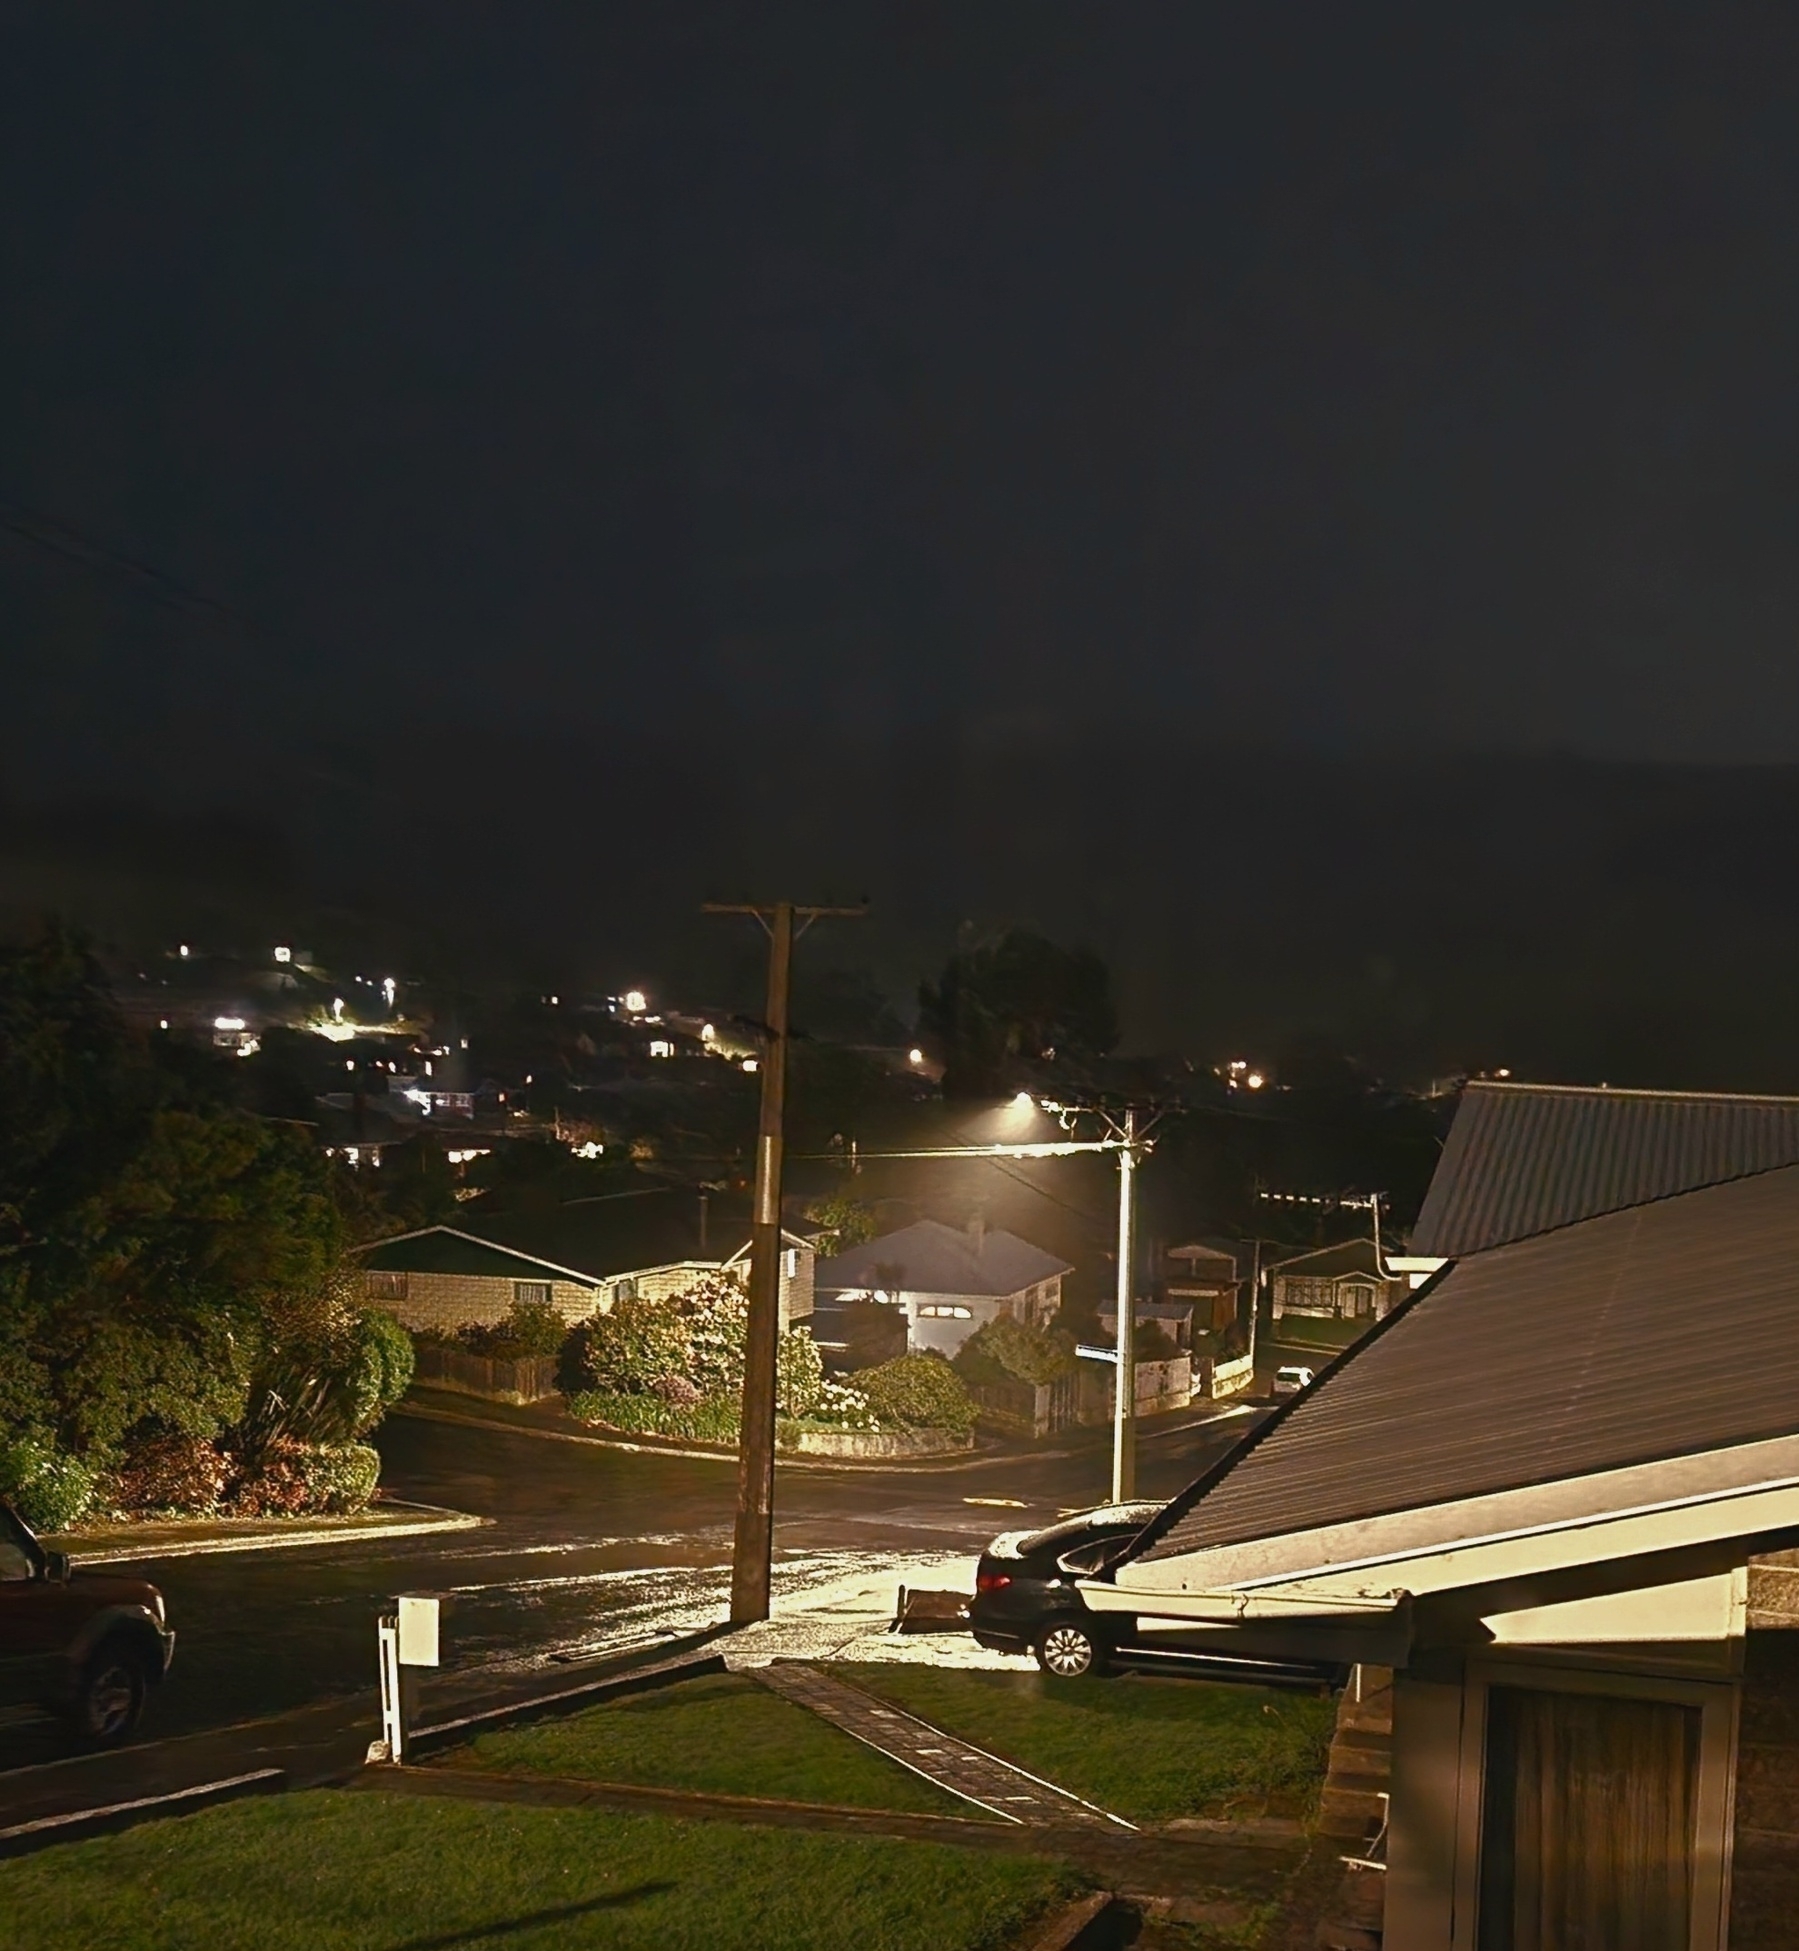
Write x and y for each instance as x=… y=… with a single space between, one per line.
x=119 y=1549
x=25 y=1836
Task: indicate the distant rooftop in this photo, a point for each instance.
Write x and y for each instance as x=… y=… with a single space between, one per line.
x=931 y=1258
x=1522 y=1158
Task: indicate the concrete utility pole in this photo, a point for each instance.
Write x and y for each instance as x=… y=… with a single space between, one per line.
x=1124 y=1397
x=753 y=1555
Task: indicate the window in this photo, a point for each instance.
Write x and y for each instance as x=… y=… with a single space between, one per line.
x=530 y=1293
x=14 y=1564
x=384 y=1286
x=624 y=1290
x=943 y=1311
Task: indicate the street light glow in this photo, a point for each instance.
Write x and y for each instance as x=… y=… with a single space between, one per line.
x=636 y=1001
x=1024 y=1102
x=915 y=1057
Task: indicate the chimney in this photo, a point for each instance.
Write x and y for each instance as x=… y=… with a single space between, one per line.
x=977 y=1233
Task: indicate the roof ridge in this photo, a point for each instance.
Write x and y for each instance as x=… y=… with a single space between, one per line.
x=1520 y=1085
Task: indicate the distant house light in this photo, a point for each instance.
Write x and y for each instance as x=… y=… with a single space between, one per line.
x=389 y=990
x=464 y=1045
x=164 y=1024
x=1255 y=1080
x=349 y=1063
x=555 y=1002
x=182 y=951
x=592 y=1149
x=751 y=1065
x=634 y=1000
x=337 y=1009
x=527 y=1077
x=227 y=1022
x=468 y=1152
x=660 y=1046
x=915 y=1056
x=284 y=955
x=707 y=1033
x=248 y=1046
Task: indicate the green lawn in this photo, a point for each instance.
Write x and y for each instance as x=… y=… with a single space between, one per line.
x=1145 y=1748
x=722 y=1733
x=333 y=1871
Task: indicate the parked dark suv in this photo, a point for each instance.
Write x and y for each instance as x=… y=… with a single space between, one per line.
x=87 y=1645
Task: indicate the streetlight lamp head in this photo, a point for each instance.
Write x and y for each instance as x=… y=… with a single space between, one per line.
x=1024 y=1102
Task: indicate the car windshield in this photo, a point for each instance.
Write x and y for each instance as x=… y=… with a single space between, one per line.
x=1109 y=1517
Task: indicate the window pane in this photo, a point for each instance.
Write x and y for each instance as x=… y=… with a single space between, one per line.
x=1587 y=1840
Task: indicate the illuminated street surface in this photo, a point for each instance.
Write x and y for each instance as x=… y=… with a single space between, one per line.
x=593 y=1549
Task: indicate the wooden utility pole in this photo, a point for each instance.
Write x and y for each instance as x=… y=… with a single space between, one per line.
x=1124 y=1397
x=753 y=1555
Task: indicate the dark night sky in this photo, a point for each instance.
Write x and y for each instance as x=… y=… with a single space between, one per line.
x=1374 y=381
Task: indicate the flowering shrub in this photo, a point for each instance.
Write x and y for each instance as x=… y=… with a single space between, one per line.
x=341 y=1477
x=842 y=1407
x=799 y=1373
x=717 y=1312
x=277 y=1487
x=918 y=1392
x=676 y=1389
x=171 y=1473
x=530 y=1329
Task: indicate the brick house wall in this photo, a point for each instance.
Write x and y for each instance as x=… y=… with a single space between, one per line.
x=445 y=1302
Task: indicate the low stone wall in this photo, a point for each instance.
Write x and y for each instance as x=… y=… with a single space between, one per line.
x=1221 y=1379
x=873 y=1443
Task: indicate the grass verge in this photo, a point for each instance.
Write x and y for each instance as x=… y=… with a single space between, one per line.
x=330 y=1871
x=1143 y=1747
x=721 y=1733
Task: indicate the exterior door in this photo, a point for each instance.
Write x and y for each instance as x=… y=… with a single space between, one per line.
x=1589 y=1818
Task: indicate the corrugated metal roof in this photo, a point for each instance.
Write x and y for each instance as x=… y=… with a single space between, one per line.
x=443 y=1250
x=1521 y=1158
x=1655 y=1332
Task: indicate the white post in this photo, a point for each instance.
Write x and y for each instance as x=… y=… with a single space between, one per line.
x=393 y=1727
x=1124 y=1396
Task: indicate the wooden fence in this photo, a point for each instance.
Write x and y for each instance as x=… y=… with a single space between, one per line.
x=529 y=1380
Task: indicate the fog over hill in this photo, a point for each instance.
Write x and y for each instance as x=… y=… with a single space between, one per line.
x=1565 y=917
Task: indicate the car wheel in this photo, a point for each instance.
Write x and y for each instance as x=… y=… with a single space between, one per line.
x=1068 y=1650
x=110 y=1696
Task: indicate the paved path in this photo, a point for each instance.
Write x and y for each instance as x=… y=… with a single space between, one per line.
x=969 y=1772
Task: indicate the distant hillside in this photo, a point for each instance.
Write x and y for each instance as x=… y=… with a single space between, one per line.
x=1564 y=917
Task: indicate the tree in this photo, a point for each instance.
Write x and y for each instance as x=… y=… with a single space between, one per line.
x=1014 y=1001
x=844 y=1222
x=150 y=1233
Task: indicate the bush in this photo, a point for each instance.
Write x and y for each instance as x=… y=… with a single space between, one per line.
x=917 y=1392
x=48 y=1490
x=341 y=1478
x=631 y=1349
x=1004 y=1350
x=531 y=1331
x=712 y=1419
x=172 y=1472
x=278 y=1486
x=799 y=1374
x=873 y=1332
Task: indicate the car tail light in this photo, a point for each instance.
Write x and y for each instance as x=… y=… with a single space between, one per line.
x=992 y=1581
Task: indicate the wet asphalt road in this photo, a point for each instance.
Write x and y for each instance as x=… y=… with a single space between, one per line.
x=588 y=1548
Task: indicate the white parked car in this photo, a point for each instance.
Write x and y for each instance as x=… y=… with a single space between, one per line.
x=1289 y=1381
